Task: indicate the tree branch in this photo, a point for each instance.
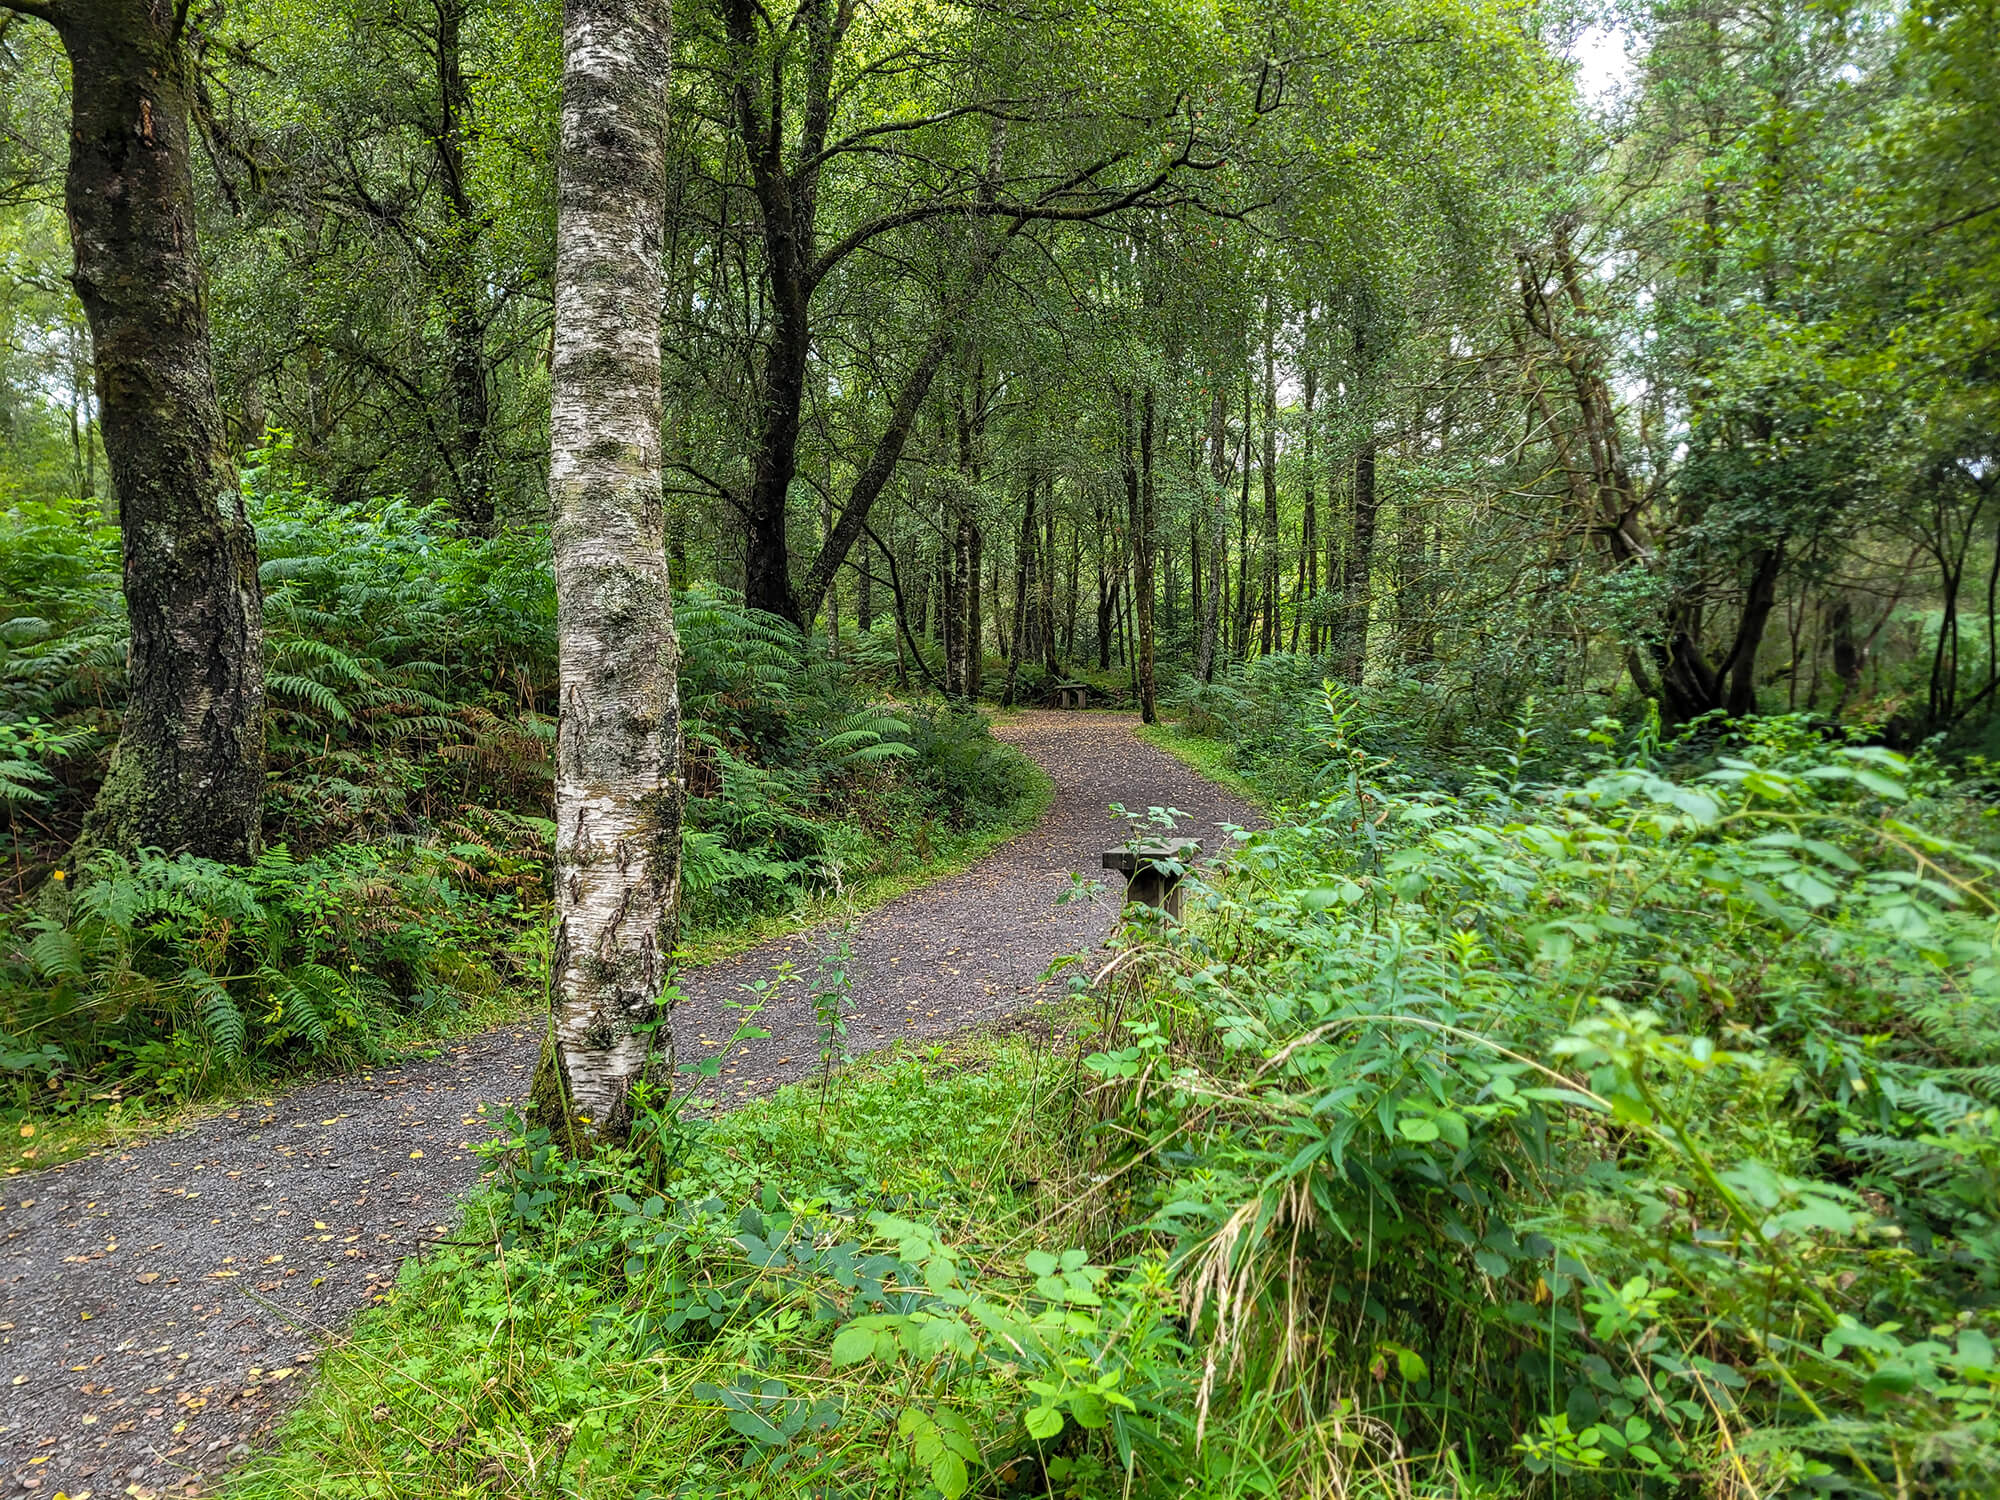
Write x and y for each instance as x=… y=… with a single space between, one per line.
x=854 y=141
x=902 y=613
x=874 y=478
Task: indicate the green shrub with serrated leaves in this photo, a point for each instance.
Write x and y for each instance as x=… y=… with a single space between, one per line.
x=1629 y=1132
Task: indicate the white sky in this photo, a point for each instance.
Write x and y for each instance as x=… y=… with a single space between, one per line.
x=1603 y=65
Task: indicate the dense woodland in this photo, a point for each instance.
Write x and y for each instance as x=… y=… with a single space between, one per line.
x=502 y=501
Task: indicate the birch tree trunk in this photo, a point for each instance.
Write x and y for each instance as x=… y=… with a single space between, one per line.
x=618 y=787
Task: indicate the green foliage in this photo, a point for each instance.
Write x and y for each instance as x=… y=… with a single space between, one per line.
x=167 y=979
x=766 y=1307
x=1617 y=1130
x=1623 y=1128
x=797 y=784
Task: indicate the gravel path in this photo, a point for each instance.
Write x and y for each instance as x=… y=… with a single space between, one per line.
x=159 y=1308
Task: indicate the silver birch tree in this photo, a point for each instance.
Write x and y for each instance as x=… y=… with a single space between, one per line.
x=618 y=788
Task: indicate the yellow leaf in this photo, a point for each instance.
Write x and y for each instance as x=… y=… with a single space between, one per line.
x=415 y=1154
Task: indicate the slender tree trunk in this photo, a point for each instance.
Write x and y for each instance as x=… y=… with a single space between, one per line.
x=187 y=774
x=618 y=787
x=1209 y=600
x=1245 y=591
x=1270 y=638
x=1073 y=588
x=465 y=331
x=1196 y=578
x=1050 y=662
x=957 y=612
x=902 y=611
x=1412 y=566
x=1128 y=636
x=1104 y=583
x=1300 y=599
x=1360 y=566
x=1309 y=533
x=1001 y=639
x=975 y=622
x=1022 y=545
x=1143 y=547
x=864 y=602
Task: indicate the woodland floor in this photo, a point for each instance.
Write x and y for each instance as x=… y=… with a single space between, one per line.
x=161 y=1307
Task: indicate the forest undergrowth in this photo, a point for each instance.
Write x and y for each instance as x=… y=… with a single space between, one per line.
x=1613 y=1117
x=403 y=890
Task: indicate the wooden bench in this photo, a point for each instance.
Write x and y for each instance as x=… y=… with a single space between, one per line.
x=1152 y=869
x=1072 y=694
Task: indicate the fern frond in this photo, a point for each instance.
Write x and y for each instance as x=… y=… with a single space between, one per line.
x=221 y=1018
x=55 y=952
x=310 y=691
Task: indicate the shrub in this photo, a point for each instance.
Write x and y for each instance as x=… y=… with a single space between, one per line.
x=1631 y=1130
x=168 y=978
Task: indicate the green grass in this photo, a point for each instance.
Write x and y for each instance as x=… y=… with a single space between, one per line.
x=1214 y=759
x=520 y=1372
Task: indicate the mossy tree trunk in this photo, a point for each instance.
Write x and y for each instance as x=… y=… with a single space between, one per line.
x=618 y=789
x=187 y=774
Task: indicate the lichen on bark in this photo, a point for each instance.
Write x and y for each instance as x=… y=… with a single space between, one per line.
x=188 y=772
x=618 y=797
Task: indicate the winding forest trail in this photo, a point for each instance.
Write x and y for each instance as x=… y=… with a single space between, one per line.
x=160 y=1307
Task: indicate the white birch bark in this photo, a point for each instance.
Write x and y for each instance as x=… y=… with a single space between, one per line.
x=618 y=789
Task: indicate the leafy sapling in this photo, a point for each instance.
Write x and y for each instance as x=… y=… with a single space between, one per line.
x=833 y=999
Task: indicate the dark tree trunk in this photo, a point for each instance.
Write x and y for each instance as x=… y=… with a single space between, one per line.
x=963 y=652
x=864 y=603
x=1050 y=663
x=1360 y=567
x=1022 y=545
x=1209 y=601
x=957 y=605
x=1244 y=593
x=786 y=203
x=1143 y=547
x=458 y=289
x=1195 y=578
x=1847 y=655
x=1072 y=566
x=187 y=775
x=1105 y=587
x=1269 y=637
x=1758 y=603
x=975 y=623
